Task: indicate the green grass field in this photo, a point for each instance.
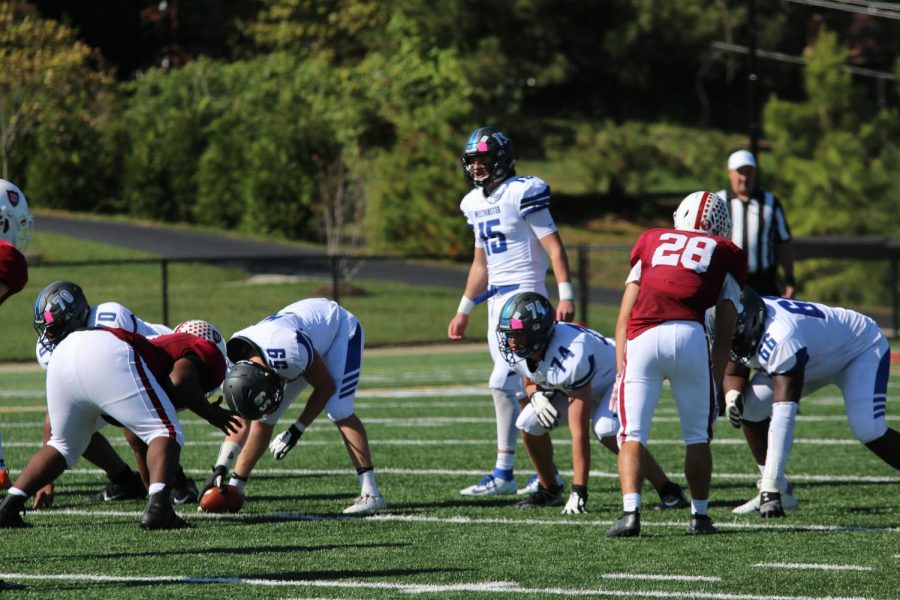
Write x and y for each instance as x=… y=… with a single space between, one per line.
x=432 y=431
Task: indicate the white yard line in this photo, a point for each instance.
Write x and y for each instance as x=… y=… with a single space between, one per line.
x=811 y=566
x=497 y=587
x=189 y=513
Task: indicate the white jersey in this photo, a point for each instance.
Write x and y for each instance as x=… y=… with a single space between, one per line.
x=109 y=314
x=821 y=338
x=508 y=224
x=290 y=338
x=575 y=357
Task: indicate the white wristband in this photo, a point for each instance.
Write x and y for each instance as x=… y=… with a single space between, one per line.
x=465 y=306
x=299 y=425
x=566 y=291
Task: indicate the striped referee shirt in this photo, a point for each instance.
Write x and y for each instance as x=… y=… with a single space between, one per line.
x=757 y=226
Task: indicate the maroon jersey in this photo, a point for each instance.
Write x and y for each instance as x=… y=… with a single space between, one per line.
x=13 y=269
x=161 y=352
x=682 y=273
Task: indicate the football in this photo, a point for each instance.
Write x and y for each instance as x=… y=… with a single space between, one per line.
x=227 y=500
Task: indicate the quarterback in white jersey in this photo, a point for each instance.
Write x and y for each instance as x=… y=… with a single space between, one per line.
x=313 y=342
x=569 y=372
x=796 y=348
x=514 y=237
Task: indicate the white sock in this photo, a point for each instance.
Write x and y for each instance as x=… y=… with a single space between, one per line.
x=367 y=484
x=238 y=483
x=699 y=507
x=155 y=488
x=631 y=502
x=505 y=461
x=781 y=440
x=506 y=409
x=228 y=453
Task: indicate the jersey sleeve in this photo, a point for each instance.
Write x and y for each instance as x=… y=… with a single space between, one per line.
x=541 y=223
x=113 y=314
x=782 y=349
x=13 y=269
x=535 y=196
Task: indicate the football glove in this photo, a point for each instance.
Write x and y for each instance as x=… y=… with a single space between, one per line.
x=734 y=407
x=614 y=396
x=216 y=479
x=576 y=505
x=282 y=444
x=546 y=413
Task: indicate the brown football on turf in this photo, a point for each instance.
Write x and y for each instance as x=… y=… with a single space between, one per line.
x=227 y=500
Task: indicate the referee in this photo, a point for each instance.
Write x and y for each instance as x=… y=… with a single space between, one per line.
x=760 y=228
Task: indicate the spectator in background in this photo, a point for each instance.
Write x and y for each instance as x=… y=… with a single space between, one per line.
x=759 y=228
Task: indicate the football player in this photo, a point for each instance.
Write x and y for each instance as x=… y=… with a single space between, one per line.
x=132 y=381
x=61 y=306
x=676 y=275
x=312 y=342
x=569 y=372
x=16 y=226
x=514 y=236
x=796 y=348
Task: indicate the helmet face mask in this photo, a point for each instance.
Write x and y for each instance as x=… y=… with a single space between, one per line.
x=16 y=222
x=703 y=212
x=750 y=327
x=488 y=157
x=252 y=390
x=526 y=323
x=59 y=309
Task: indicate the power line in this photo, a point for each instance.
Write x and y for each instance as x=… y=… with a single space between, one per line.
x=884 y=10
x=799 y=60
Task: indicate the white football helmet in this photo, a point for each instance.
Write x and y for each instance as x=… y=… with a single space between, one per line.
x=16 y=223
x=205 y=330
x=703 y=212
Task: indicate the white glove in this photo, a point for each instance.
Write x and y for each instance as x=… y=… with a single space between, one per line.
x=546 y=413
x=576 y=505
x=734 y=407
x=281 y=445
x=614 y=397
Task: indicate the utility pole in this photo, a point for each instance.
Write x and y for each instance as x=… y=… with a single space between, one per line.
x=752 y=80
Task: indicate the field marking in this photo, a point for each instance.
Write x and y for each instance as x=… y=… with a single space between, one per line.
x=841 y=478
x=648 y=577
x=462 y=520
x=812 y=566
x=497 y=587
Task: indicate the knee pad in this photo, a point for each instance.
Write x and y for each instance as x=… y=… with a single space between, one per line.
x=606 y=427
x=528 y=422
x=866 y=429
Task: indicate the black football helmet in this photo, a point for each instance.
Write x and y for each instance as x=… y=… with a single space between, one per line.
x=496 y=145
x=59 y=309
x=252 y=390
x=750 y=327
x=526 y=323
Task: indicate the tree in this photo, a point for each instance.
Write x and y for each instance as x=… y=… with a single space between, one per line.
x=44 y=70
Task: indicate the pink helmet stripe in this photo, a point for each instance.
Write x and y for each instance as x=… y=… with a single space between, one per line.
x=482 y=146
x=698 y=220
x=516 y=324
x=48 y=316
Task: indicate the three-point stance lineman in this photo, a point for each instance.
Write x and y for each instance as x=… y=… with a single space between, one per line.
x=312 y=342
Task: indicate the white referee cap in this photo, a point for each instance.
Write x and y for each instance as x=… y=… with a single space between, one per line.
x=741 y=158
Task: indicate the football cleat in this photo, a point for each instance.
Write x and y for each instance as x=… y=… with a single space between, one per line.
x=770 y=505
x=11 y=509
x=532 y=485
x=159 y=513
x=228 y=499
x=788 y=501
x=490 y=486
x=701 y=524
x=131 y=489
x=5 y=481
x=184 y=491
x=542 y=497
x=366 y=504
x=673 y=498
x=628 y=525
